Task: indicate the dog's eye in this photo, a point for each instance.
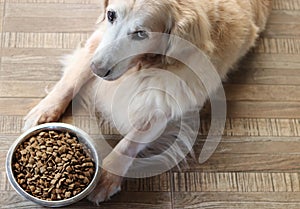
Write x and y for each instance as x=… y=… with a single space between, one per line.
x=111 y=16
x=140 y=35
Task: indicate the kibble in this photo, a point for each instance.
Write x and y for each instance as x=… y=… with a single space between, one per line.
x=53 y=166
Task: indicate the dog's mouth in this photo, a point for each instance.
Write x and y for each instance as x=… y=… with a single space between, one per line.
x=115 y=72
x=111 y=75
x=108 y=73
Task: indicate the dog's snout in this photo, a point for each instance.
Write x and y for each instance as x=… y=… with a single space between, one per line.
x=99 y=70
x=95 y=67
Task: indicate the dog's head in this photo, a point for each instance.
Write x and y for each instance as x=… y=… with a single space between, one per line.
x=132 y=33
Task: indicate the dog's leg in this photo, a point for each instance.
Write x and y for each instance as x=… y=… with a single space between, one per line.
x=76 y=73
x=117 y=163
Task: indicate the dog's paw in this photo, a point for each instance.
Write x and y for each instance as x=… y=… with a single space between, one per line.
x=108 y=185
x=46 y=111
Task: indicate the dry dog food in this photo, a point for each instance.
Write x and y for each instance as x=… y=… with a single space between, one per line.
x=53 y=166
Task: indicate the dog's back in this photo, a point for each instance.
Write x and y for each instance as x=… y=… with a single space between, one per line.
x=262 y=10
x=235 y=26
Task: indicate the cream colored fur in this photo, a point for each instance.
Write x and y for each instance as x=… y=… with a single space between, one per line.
x=224 y=29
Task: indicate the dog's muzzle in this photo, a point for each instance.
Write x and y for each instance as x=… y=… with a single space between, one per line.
x=100 y=71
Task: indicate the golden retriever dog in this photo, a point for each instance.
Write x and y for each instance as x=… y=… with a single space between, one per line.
x=224 y=30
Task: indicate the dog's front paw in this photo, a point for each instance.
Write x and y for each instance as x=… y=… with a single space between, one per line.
x=108 y=185
x=46 y=111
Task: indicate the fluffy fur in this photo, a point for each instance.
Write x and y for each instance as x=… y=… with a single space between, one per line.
x=223 y=29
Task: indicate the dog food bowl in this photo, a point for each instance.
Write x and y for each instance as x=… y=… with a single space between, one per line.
x=88 y=147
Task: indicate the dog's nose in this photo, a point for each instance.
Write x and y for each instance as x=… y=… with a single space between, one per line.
x=99 y=71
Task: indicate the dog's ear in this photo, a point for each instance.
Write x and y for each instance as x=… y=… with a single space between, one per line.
x=192 y=26
x=102 y=16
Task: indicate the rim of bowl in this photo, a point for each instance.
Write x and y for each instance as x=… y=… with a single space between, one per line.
x=82 y=136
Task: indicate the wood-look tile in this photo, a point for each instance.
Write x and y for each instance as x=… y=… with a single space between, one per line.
x=245 y=109
x=235 y=182
x=255 y=145
x=255 y=166
x=286 y=5
x=265 y=76
x=33 y=56
x=44 y=10
x=48 y=24
x=84 y=2
x=31 y=71
x=246 y=163
x=283 y=17
x=1 y=23
x=282 y=31
x=236 y=200
x=16 y=106
x=32 y=64
x=283 y=24
x=258 y=109
x=26 y=17
x=276 y=92
x=234 y=127
x=16 y=89
x=278 y=46
x=271 y=61
x=1 y=13
x=159 y=183
x=130 y=200
x=234 y=92
x=43 y=40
